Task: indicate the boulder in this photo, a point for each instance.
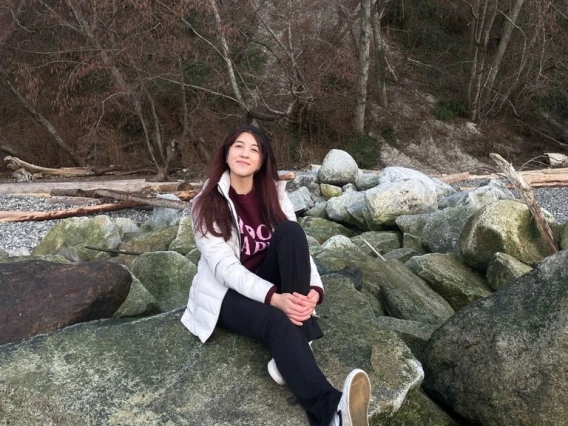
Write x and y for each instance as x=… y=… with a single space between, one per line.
x=194 y=255
x=401 y=254
x=350 y=187
x=443 y=228
x=397 y=174
x=164 y=216
x=366 y=180
x=185 y=240
x=399 y=292
x=504 y=269
x=330 y=191
x=564 y=237
x=338 y=168
x=502 y=360
x=413 y=224
x=351 y=208
x=454 y=281
x=78 y=232
x=308 y=180
x=477 y=198
x=167 y=275
x=38 y=296
x=318 y=210
x=413 y=242
x=418 y=409
x=301 y=199
x=388 y=201
x=442 y=188
x=153 y=371
x=156 y=240
x=322 y=229
x=415 y=334
x=126 y=226
x=338 y=242
x=138 y=303
x=381 y=241
x=504 y=226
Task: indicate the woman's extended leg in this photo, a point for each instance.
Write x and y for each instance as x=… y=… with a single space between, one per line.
x=289 y=347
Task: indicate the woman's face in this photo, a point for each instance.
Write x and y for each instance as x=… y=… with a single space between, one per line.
x=244 y=157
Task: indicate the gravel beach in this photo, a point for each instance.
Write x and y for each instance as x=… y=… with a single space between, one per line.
x=19 y=238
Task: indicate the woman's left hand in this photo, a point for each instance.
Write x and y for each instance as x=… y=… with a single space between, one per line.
x=310 y=300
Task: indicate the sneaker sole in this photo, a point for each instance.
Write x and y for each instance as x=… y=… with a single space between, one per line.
x=359 y=399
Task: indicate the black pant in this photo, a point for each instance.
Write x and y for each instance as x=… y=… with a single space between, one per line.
x=287 y=266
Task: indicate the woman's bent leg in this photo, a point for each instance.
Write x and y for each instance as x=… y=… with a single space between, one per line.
x=290 y=349
x=287 y=266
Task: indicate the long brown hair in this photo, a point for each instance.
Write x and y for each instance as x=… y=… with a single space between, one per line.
x=211 y=211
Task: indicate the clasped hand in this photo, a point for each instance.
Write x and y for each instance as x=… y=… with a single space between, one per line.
x=296 y=306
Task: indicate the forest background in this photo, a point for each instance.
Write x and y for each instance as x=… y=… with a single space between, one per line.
x=155 y=85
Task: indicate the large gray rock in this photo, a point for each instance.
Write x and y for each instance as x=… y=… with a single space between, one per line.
x=502 y=360
x=167 y=275
x=477 y=198
x=381 y=241
x=163 y=216
x=454 y=281
x=415 y=334
x=366 y=180
x=442 y=188
x=301 y=199
x=397 y=174
x=418 y=409
x=338 y=168
x=185 y=240
x=318 y=210
x=504 y=226
x=330 y=191
x=156 y=240
x=305 y=179
x=504 y=269
x=322 y=229
x=442 y=231
x=399 y=292
x=152 y=371
x=39 y=296
x=401 y=254
x=564 y=237
x=388 y=201
x=78 y=232
x=351 y=208
x=413 y=224
x=138 y=303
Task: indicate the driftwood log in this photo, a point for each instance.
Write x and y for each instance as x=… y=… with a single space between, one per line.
x=528 y=197
x=15 y=216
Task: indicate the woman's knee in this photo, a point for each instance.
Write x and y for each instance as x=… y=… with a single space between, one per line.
x=289 y=229
x=275 y=323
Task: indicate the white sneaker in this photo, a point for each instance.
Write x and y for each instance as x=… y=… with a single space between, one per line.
x=275 y=374
x=353 y=408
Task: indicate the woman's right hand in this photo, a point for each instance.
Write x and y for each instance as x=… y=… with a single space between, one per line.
x=291 y=305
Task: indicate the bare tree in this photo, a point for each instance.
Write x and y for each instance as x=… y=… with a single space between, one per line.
x=363 y=68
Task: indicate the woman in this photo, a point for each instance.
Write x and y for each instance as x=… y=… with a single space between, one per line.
x=257 y=278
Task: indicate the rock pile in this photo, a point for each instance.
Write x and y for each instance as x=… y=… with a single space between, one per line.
x=416 y=274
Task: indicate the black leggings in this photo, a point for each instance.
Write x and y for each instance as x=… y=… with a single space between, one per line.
x=287 y=266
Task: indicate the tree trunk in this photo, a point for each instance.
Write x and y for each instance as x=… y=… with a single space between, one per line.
x=380 y=49
x=484 y=23
x=40 y=119
x=363 y=68
x=503 y=44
